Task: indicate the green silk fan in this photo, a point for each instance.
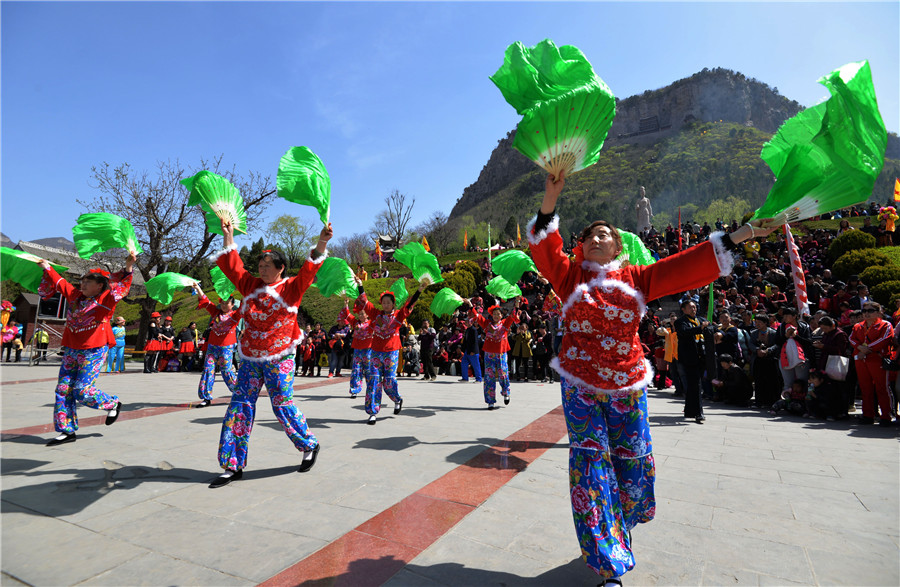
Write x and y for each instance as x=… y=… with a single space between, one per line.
x=400 y=293
x=502 y=289
x=634 y=250
x=22 y=268
x=99 y=232
x=424 y=265
x=223 y=286
x=303 y=179
x=567 y=110
x=335 y=277
x=219 y=199
x=512 y=264
x=445 y=302
x=828 y=156
x=162 y=287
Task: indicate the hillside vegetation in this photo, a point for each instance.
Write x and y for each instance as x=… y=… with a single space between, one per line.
x=710 y=169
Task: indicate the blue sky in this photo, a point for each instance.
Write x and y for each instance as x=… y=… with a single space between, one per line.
x=389 y=95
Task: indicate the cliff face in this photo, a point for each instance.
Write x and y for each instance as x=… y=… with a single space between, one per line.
x=707 y=96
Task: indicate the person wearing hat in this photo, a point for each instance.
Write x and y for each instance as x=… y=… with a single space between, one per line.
x=153 y=346
x=85 y=341
x=167 y=334
x=224 y=319
x=267 y=347
x=496 y=346
x=386 y=324
x=116 y=355
x=361 y=367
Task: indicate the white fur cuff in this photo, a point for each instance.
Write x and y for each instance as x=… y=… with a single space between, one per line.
x=723 y=256
x=537 y=238
x=317 y=260
x=225 y=251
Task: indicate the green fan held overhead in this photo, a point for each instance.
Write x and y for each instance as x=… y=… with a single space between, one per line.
x=827 y=157
x=223 y=286
x=22 y=268
x=219 y=199
x=335 y=277
x=634 y=250
x=566 y=109
x=512 y=264
x=303 y=179
x=503 y=289
x=424 y=265
x=99 y=232
x=400 y=293
x=162 y=287
x=445 y=302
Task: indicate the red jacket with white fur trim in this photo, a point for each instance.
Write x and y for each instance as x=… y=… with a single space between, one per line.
x=269 y=311
x=222 y=324
x=495 y=334
x=603 y=306
x=87 y=322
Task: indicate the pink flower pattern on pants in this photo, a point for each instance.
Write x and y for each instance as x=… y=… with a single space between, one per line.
x=279 y=379
x=221 y=356
x=77 y=376
x=611 y=473
x=495 y=371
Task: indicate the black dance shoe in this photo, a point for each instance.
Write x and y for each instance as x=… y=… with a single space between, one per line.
x=506 y=400
x=113 y=414
x=204 y=403
x=307 y=464
x=225 y=478
x=398 y=406
x=62 y=439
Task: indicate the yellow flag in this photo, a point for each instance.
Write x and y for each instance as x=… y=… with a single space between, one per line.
x=466 y=240
x=897 y=190
x=425 y=244
x=377 y=248
x=518 y=233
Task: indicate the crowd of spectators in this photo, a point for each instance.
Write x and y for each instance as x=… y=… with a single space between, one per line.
x=758 y=352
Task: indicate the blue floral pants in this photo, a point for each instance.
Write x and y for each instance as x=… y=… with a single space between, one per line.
x=223 y=357
x=495 y=371
x=361 y=369
x=384 y=370
x=77 y=375
x=611 y=473
x=278 y=377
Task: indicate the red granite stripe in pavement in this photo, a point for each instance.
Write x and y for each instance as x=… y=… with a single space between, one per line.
x=132 y=415
x=377 y=549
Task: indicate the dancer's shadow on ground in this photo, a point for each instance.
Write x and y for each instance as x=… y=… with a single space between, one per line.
x=481 y=453
x=31 y=439
x=378 y=571
x=84 y=487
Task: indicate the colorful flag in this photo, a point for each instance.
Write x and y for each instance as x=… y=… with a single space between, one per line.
x=897 y=190
x=377 y=248
x=466 y=240
x=797 y=272
x=519 y=230
x=425 y=244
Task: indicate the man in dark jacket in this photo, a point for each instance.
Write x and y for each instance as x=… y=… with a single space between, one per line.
x=691 y=358
x=427 y=336
x=470 y=349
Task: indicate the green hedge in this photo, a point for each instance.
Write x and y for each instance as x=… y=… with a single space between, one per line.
x=852 y=240
x=884 y=293
x=872 y=276
x=855 y=262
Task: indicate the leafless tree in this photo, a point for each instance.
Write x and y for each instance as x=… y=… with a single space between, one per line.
x=393 y=221
x=353 y=249
x=437 y=230
x=167 y=228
